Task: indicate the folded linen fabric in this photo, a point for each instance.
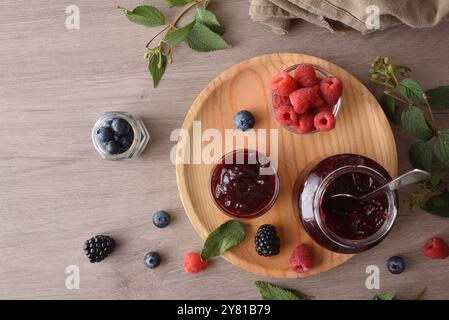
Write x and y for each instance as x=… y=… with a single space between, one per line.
x=339 y=15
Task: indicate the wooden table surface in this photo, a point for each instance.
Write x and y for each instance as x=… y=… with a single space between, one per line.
x=55 y=191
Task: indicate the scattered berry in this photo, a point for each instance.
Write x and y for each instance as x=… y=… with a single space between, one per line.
x=331 y=89
x=113 y=147
x=436 y=248
x=305 y=75
x=283 y=84
x=305 y=123
x=301 y=259
x=244 y=120
x=98 y=248
x=104 y=134
x=324 y=121
x=267 y=242
x=396 y=265
x=152 y=260
x=120 y=127
x=281 y=101
x=161 y=219
x=193 y=263
x=286 y=116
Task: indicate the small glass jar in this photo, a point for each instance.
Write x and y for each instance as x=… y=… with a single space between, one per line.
x=321 y=227
x=140 y=140
x=244 y=184
x=321 y=74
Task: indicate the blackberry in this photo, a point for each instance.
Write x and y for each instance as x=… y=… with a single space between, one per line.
x=267 y=242
x=99 y=247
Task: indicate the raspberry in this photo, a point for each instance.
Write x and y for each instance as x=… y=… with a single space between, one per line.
x=317 y=102
x=331 y=90
x=305 y=123
x=193 y=263
x=280 y=101
x=283 y=84
x=286 y=115
x=324 y=107
x=324 y=121
x=305 y=75
x=301 y=259
x=302 y=98
x=436 y=248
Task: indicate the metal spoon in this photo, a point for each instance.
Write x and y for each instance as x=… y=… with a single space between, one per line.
x=404 y=180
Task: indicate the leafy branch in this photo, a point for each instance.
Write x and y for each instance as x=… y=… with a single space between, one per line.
x=203 y=33
x=404 y=101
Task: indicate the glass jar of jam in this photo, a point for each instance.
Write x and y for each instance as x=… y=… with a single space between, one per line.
x=335 y=223
x=244 y=184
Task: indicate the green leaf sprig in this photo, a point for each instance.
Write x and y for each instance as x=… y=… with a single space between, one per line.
x=404 y=101
x=226 y=236
x=203 y=33
x=272 y=292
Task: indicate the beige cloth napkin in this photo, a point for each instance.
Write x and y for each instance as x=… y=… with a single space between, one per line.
x=340 y=15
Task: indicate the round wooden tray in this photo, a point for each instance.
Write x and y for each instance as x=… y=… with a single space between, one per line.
x=361 y=128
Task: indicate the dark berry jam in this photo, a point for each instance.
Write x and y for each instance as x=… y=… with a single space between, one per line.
x=244 y=184
x=341 y=224
x=350 y=218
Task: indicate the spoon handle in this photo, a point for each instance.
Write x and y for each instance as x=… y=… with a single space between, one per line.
x=404 y=180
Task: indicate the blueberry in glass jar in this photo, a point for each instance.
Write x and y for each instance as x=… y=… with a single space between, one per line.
x=116 y=135
x=244 y=184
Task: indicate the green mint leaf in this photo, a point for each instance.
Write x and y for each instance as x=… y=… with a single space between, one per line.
x=390 y=295
x=178 y=35
x=156 y=65
x=209 y=19
x=148 y=16
x=436 y=178
x=229 y=234
x=415 y=123
x=272 y=292
x=439 y=207
x=202 y=39
x=420 y=154
x=388 y=104
x=439 y=98
x=411 y=89
x=442 y=147
x=177 y=3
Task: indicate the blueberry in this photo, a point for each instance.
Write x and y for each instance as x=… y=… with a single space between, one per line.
x=396 y=265
x=113 y=147
x=152 y=259
x=120 y=127
x=107 y=123
x=161 y=219
x=244 y=120
x=127 y=140
x=104 y=134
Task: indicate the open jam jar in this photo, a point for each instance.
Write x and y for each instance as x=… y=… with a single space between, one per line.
x=244 y=184
x=340 y=226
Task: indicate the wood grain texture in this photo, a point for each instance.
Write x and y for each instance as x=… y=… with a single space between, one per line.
x=246 y=85
x=55 y=191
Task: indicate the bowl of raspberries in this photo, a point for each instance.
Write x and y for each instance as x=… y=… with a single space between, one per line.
x=305 y=98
